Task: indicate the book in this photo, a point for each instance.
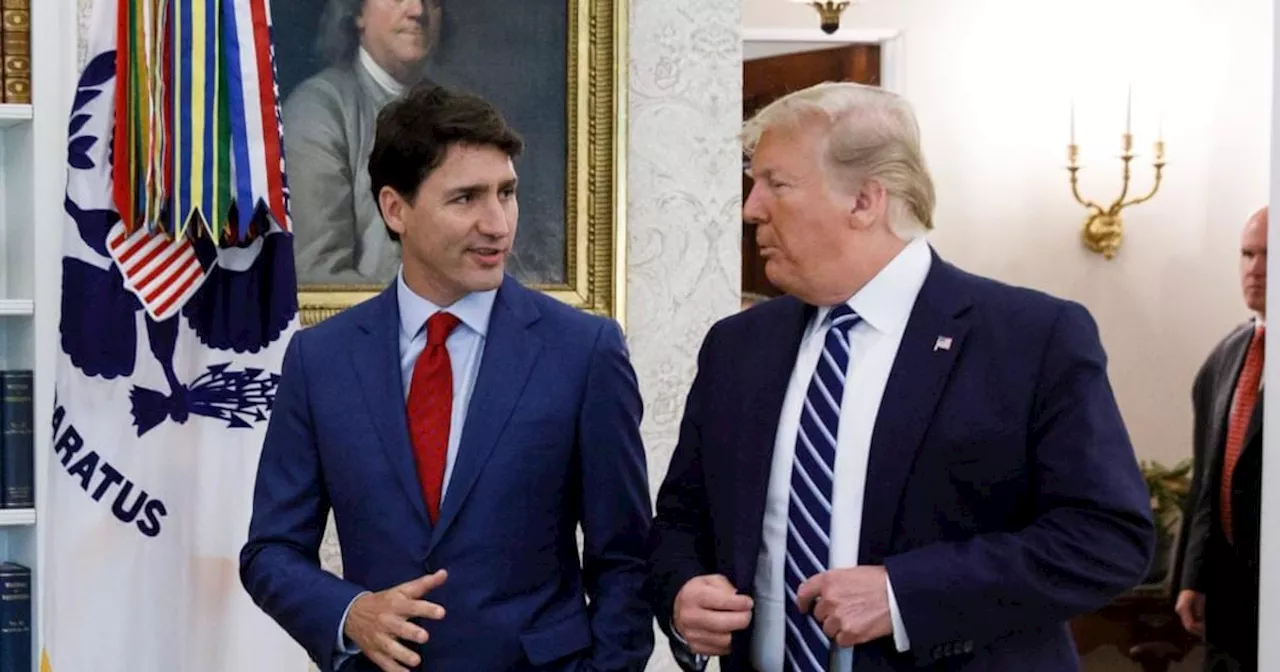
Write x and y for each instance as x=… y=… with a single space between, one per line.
x=17 y=449
x=1 y=56
x=15 y=617
x=15 y=45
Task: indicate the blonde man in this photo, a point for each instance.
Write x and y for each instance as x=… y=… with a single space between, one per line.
x=900 y=464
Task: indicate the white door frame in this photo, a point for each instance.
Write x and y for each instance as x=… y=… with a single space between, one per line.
x=1269 y=570
x=765 y=42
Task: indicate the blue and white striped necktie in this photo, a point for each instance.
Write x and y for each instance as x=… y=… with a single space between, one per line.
x=809 y=516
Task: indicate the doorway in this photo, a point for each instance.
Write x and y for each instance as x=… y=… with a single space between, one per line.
x=768 y=78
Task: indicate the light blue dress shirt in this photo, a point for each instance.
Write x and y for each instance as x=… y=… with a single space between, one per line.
x=465 y=345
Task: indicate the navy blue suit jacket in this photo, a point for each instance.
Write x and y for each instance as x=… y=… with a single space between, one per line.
x=551 y=441
x=1002 y=496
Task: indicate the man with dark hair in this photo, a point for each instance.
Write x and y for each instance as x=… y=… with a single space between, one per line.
x=461 y=427
x=374 y=49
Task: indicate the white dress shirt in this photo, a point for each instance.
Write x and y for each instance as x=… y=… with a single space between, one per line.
x=884 y=304
x=384 y=79
x=465 y=345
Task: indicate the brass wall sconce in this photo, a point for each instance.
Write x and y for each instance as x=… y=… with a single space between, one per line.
x=829 y=12
x=1104 y=228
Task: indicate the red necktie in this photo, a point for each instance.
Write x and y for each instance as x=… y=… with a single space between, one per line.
x=1246 y=395
x=430 y=407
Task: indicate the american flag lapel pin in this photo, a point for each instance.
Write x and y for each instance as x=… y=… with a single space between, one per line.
x=943 y=343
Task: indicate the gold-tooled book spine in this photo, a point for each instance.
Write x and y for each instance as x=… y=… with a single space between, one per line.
x=15 y=50
x=1 y=53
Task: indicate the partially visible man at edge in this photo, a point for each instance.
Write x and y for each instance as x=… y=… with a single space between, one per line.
x=900 y=464
x=1218 y=560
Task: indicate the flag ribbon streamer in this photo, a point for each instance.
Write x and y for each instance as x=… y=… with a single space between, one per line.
x=197 y=146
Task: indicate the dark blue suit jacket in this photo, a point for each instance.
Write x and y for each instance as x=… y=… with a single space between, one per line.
x=1002 y=495
x=551 y=440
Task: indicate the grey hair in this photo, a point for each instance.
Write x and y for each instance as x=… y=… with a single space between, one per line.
x=872 y=134
x=338 y=37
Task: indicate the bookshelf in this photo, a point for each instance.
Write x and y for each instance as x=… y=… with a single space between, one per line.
x=17 y=307
x=12 y=115
x=17 y=517
x=32 y=180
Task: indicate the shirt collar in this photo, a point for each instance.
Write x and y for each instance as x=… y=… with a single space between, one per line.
x=886 y=301
x=382 y=77
x=473 y=309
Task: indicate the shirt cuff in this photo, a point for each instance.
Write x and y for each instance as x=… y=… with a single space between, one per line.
x=343 y=650
x=695 y=660
x=900 y=639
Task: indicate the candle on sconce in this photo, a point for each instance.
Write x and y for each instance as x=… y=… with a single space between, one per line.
x=1160 y=138
x=1128 y=112
x=1073 y=121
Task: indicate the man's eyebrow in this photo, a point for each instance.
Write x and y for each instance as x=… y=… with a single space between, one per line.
x=466 y=189
x=479 y=187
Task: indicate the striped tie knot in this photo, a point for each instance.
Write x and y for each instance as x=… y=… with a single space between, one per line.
x=843 y=317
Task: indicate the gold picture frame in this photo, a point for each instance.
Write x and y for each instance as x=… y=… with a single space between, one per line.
x=595 y=185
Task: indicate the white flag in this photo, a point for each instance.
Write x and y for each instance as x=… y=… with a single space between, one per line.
x=168 y=364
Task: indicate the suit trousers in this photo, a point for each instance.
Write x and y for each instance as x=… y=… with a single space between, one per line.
x=1218 y=660
x=1231 y=619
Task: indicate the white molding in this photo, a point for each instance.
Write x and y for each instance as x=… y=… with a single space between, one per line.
x=1269 y=562
x=841 y=36
x=54 y=71
x=893 y=71
x=16 y=307
x=11 y=114
x=766 y=42
x=17 y=517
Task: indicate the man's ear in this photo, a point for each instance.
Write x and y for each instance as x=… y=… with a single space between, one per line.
x=393 y=208
x=870 y=204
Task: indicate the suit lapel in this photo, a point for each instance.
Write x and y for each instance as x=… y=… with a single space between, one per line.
x=377 y=362
x=510 y=351
x=770 y=369
x=919 y=374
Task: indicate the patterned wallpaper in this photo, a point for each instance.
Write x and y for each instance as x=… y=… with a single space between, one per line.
x=685 y=108
x=685 y=183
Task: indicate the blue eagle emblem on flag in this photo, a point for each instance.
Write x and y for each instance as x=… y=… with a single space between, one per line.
x=237 y=297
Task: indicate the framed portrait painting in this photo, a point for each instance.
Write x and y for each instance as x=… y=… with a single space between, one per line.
x=554 y=68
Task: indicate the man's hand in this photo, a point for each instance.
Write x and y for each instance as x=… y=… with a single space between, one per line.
x=1190 y=608
x=377 y=621
x=851 y=604
x=708 y=611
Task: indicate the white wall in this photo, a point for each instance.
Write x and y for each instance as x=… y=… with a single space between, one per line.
x=992 y=82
